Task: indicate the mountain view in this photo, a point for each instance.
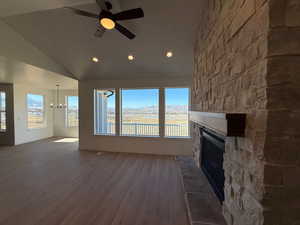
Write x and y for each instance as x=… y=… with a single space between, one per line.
x=174 y=109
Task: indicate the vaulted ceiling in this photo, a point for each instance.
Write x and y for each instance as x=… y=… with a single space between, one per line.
x=69 y=39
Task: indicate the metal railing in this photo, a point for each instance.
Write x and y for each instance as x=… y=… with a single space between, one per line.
x=144 y=129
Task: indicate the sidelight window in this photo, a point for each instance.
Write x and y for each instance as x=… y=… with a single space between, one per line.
x=176 y=112
x=2 y=111
x=105 y=112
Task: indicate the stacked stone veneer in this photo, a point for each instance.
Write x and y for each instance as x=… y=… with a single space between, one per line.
x=247 y=59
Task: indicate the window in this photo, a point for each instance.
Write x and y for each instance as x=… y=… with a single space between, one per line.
x=176 y=112
x=150 y=112
x=140 y=112
x=2 y=112
x=105 y=112
x=72 y=111
x=35 y=111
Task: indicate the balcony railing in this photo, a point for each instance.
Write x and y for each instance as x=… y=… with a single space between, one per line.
x=144 y=129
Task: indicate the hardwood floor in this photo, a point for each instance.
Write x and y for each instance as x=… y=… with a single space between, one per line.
x=48 y=183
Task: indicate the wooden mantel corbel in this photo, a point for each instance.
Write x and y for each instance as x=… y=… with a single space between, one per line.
x=227 y=124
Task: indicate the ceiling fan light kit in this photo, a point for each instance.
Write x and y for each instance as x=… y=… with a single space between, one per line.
x=108 y=21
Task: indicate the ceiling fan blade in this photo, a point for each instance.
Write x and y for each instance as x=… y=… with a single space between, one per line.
x=101 y=4
x=83 y=13
x=99 y=32
x=129 y=14
x=124 y=31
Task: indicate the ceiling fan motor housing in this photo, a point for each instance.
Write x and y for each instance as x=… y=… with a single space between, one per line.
x=106 y=14
x=108 y=5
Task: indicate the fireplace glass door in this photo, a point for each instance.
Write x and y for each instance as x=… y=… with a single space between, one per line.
x=213 y=147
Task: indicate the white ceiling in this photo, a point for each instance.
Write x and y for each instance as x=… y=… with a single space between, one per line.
x=68 y=38
x=16 y=72
x=17 y=7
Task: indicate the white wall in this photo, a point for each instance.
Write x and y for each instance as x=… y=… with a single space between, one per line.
x=60 y=128
x=31 y=71
x=147 y=145
x=22 y=133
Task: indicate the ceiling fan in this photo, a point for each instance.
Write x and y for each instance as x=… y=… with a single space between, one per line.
x=108 y=20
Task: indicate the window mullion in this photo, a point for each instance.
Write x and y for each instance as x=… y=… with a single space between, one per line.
x=67 y=115
x=161 y=112
x=118 y=112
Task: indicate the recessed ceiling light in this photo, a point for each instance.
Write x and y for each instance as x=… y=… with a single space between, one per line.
x=131 y=57
x=95 y=59
x=169 y=54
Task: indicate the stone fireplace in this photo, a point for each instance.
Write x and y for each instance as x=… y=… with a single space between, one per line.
x=214 y=129
x=247 y=58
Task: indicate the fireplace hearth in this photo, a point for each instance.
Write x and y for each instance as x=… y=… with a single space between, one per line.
x=211 y=160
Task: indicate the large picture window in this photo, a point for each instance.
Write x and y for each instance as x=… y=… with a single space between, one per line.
x=147 y=112
x=35 y=111
x=2 y=111
x=140 y=112
x=176 y=112
x=72 y=111
x=105 y=112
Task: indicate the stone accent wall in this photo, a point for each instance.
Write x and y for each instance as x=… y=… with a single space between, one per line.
x=247 y=59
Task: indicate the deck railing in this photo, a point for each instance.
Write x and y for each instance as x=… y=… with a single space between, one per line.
x=144 y=129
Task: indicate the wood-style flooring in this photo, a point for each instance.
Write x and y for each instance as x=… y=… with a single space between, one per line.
x=49 y=183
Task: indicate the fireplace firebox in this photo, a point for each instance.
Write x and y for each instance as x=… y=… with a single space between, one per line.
x=211 y=160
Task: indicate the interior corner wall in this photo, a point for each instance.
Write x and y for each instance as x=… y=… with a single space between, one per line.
x=145 y=145
x=22 y=133
x=60 y=128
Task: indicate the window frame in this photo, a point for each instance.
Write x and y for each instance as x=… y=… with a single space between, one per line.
x=3 y=111
x=67 y=125
x=44 y=124
x=189 y=108
x=121 y=112
x=116 y=113
x=161 y=106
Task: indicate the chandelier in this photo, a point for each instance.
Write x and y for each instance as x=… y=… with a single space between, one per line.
x=57 y=105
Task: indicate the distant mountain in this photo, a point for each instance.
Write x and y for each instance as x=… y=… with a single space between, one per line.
x=176 y=109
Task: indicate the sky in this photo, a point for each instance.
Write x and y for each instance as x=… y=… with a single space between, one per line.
x=177 y=96
x=140 y=98
x=35 y=100
x=2 y=100
x=73 y=102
